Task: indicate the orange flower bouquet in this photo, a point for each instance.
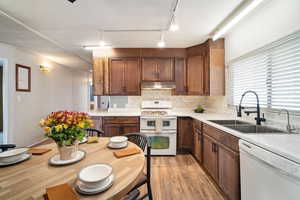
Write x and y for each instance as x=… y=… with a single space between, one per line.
x=66 y=127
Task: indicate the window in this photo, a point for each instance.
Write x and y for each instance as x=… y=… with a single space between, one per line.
x=272 y=71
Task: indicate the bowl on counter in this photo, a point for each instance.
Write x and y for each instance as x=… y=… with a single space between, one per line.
x=118 y=142
x=12 y=155
x=95 y=176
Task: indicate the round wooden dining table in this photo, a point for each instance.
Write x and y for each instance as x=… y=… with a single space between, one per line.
x=29 y=179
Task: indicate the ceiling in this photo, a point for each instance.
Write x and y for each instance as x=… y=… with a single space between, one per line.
x=62 y=28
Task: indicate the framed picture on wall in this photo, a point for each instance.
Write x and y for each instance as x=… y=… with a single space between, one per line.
x=23 y=78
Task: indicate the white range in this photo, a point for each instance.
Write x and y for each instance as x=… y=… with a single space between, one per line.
x=160 y=125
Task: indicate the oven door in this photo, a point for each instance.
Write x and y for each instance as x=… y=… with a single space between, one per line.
x=169 y=124
x=148 y=123
x=162 y=143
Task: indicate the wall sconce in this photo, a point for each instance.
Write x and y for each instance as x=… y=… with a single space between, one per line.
x=44 y=68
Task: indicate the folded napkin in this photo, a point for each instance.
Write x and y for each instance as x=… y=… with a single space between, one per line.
x=61 y=192
x=92 y=139
x=127 y=152
x=35 y=151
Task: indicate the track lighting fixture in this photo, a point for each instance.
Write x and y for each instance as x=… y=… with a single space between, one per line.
x=161 y=43
x=174 y=25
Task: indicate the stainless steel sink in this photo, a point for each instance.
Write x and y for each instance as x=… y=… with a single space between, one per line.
x=245 y=127
x=230 y=122
x=255 y=129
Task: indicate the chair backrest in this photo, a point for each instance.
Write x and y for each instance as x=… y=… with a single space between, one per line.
x=94 y=132
x=5 y=147
x=143 y=142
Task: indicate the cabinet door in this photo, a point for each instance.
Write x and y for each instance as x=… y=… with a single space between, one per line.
x=132 y=77
x=210 y=157
x=130 y=128
x=116 y=77
x=229 y=172
x=198 y=145
x=165 y=69
x=180 y=76
x=149 y=69
x=195 y=75
x=111 y=130
x=185 y=134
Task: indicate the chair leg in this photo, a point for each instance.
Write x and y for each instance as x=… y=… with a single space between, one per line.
x=149 y=190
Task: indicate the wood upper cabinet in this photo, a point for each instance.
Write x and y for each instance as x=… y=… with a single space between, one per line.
x=229 y=172
x=180 y=76
x=210 y=156
x=124 y=76
x=157 y=69
x=195 y=75
x=184 y=134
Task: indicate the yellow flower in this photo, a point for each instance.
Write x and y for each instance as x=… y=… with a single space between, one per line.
x=47 y=129
x=58 y=128
x=42 y=122
x=81 y=125
x=65 y=126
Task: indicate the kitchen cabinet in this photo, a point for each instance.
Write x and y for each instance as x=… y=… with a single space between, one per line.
x=97 y=121
x=221 y=160
x=180 y=76
x=198 y=140
x=184 y=135
x=210 y=156
x=124 y=76
x=157 y=69
x=195 y=75
x=116 y=126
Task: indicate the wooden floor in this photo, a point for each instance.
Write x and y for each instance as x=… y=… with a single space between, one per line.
x=180 y=177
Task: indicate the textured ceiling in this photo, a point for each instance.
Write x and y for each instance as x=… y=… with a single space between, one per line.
x=75 y=25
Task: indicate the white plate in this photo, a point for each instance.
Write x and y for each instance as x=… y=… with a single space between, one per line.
x=21 y=159
x=118 y=139
x=76 y=156
x=12 y=155
x=80 y=187
x=94 y=174
x=117 y=146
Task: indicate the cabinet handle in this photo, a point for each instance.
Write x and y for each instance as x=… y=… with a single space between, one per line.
x=213 y=147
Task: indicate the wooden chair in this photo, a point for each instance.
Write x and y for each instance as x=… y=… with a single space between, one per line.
x=143 y=141
x=94 y=132
x=5 y=147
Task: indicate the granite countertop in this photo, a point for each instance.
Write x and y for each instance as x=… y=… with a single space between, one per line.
x=286 y=145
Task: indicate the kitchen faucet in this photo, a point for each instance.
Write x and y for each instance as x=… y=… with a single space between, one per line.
x=288 y=126
x=258 y=118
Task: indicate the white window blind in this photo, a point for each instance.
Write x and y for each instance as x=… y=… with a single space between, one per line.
x=272 y=71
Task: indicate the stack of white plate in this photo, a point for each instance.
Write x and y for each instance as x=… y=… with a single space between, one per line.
x=94 y=179
x=14 y=156
x=118 y=142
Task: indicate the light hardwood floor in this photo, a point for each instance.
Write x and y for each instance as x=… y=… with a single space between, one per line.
x=181 y=178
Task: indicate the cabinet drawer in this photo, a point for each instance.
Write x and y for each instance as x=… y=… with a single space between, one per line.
x=121 y=120
x=197 y=124
x=224 y=138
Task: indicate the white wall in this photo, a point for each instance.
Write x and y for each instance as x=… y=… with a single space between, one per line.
x=50 y=92
x=271 y=21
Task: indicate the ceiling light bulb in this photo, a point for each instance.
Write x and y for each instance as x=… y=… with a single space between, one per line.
x=102 y=43
x=161 y=44
x=174 y=25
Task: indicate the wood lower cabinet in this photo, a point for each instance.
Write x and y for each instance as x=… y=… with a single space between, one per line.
x=116 y=126
x=221 y=160
x=157 y=69
x=198 y=141
x=210 y=157
x=229 y=172
x=185 y=135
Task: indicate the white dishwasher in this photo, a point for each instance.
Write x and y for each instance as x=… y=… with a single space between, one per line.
x=266 y=175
